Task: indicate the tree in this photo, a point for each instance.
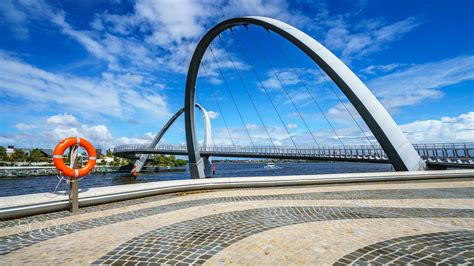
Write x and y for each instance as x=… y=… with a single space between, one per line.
x=180 y=162
x=162 y=160
x=36 y=155
x=98 y=153
x=18 y=156
x=116 y=161
x=108 y=153
x=3 y=153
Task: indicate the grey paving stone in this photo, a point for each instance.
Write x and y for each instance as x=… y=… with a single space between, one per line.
x=200 y=237
x=430 y=256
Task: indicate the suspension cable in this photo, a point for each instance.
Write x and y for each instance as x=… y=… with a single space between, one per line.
x=345 y=107
x=263 y=86
x=217 y=102
x=292 y=66
x=231 y=95
x=283 y=87
x=247 y=90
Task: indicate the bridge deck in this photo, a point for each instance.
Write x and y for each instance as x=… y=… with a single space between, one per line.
x=452 y=155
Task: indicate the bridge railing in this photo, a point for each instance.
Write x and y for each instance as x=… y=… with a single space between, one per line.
x=439 y=151
x=339 y=151
x=353 y=151
x=429 y=151
x=444 y=153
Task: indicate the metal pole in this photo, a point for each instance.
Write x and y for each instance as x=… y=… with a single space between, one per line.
x=74 y=185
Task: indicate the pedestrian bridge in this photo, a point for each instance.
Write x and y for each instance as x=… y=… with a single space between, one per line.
x=435 y=155
x=240 y=34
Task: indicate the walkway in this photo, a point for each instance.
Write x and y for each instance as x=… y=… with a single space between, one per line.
x=425 y=221
x=441 y=154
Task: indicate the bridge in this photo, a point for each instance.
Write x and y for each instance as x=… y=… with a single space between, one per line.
x=392 y=146
x=439 y=155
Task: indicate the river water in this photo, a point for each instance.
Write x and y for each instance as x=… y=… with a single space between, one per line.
x=27 y=185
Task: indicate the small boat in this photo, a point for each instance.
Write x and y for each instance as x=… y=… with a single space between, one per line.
x=270 y=166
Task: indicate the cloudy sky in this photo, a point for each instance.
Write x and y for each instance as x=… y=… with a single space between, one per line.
x=113 y=71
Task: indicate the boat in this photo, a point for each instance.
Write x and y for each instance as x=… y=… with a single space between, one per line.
x=270 y=166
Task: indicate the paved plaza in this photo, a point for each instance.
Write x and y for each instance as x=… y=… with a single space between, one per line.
x=427 y=222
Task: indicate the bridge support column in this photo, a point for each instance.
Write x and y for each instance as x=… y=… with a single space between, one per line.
x=197 y=169
x=207 y=166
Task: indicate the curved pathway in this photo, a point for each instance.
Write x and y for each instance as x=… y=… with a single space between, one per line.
x=409 y=222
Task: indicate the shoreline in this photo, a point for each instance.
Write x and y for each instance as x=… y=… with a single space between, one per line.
x=32 y=171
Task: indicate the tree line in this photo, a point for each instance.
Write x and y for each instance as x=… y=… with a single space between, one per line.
x=162 y=160
x=35 y=155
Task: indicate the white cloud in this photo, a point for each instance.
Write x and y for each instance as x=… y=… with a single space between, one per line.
x=251 y=126
x=85 y=39
x=293 y=76
x=24 y=127
x=421 y=82
x=257 y=133
x=446 y=129
x=172 y=21
x=16 y=18
x=297 y=81
x=292 y=125
x=110 y=95
x=176 y=26
x=376 y=69
x=62 y=119
x=48 y=132
x=212 y=114
x=366 y=37
x=286 y=76
x=341 y=112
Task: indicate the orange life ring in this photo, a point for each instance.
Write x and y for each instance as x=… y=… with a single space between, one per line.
x=58 y=158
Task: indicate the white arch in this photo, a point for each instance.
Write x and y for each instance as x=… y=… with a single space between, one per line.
x=207 y=134
x=401 y=153
x=207 y=127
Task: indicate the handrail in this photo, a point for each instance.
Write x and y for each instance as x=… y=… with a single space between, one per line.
x=432 y=152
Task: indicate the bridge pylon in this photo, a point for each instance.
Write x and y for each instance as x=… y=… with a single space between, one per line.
x=207 y=135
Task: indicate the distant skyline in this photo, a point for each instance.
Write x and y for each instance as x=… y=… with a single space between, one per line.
x=114 y=71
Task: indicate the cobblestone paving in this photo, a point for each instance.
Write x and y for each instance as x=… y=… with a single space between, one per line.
x=17 y=241
x=195 y=241
x=434 y=193
x=89 y=209
x=21 y=240
x=455 y=247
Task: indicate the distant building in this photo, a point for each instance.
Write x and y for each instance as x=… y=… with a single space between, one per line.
x=10 y=150
x=47 y=152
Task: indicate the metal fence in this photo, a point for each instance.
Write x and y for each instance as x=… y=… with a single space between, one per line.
x=433 y=152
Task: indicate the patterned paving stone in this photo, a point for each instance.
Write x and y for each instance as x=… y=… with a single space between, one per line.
x=195 y=241
x=88 y=209
x=434 y=193
x=17 y=241
x=455 y=247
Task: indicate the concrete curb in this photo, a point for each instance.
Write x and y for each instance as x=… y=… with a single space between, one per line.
x=25 y=205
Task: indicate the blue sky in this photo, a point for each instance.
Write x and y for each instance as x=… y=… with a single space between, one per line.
x=114 y=71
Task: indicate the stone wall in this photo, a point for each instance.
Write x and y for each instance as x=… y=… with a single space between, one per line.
x=43 y=170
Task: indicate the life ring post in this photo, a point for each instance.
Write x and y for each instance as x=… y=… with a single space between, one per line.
x=74 y=186
x=73 y=171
